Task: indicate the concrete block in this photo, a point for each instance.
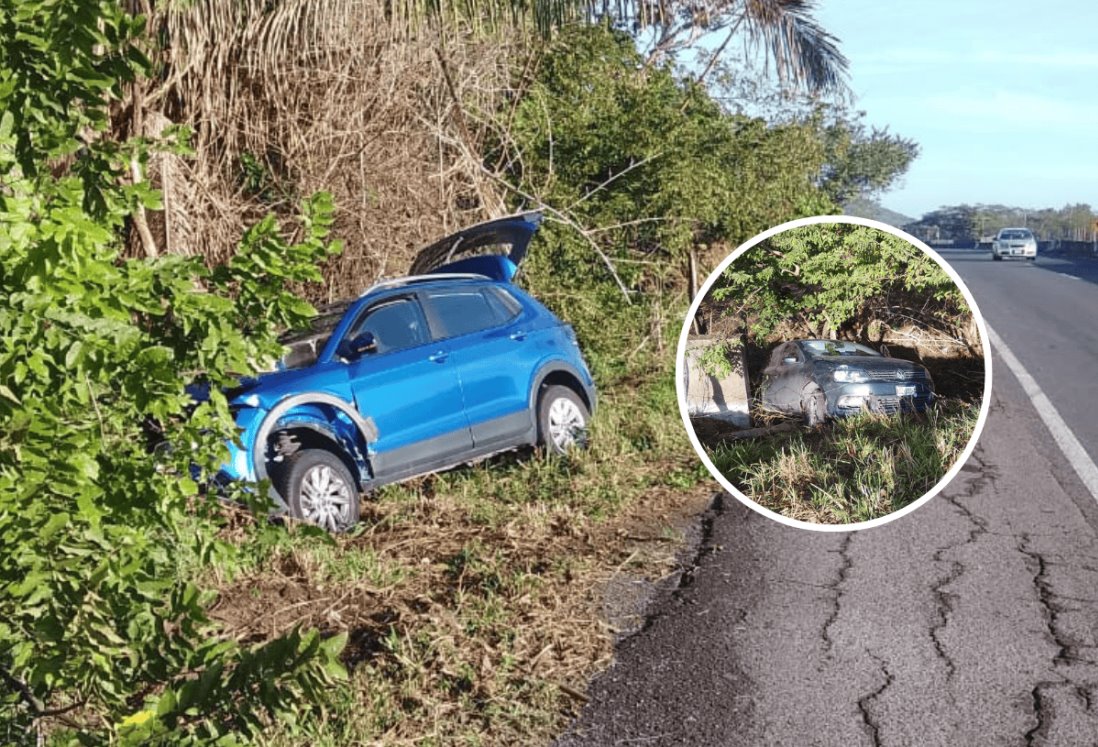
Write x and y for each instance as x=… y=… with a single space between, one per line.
x=725 y=397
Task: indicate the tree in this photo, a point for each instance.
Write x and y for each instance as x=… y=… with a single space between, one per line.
x=655 y=166
x=835 y=280
x=861 y=162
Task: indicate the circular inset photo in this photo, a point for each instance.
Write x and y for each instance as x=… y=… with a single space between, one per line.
x=833 y=373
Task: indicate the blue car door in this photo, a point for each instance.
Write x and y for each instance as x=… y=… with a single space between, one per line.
x=408 y=385
x=482 y=324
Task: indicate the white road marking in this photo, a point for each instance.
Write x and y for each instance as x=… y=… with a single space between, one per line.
x=1065 y=439
x=1073 y=277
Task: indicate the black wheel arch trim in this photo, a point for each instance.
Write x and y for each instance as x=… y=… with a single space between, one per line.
x=366 y=428
x=548 y=369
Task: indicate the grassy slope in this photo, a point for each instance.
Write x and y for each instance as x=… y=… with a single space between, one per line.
x=854 y=469
x=472 y=598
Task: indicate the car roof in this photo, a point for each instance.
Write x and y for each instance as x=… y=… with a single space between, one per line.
x=432 y=279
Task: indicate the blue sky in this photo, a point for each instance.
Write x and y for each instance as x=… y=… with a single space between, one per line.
x=1001 y=97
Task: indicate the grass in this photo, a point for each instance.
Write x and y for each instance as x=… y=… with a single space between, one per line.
x=472 y=599
x=851 y=470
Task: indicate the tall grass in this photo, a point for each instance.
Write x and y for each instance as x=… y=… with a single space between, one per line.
x=851 y=470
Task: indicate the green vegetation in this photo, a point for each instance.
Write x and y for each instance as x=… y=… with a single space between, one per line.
x=837 y=279
x=974 y=222
x=101 y=638
x=861 y=161
x=659 y=169
x=857 y=469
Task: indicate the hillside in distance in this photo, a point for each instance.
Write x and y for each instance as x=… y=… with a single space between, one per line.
x=863 y=207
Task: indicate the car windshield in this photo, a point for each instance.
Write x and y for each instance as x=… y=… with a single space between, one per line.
x=304 y=346
x=836 y=347
x=1016 y=235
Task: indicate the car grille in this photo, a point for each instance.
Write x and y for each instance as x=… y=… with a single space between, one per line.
x=888 y=405
x=890 y=374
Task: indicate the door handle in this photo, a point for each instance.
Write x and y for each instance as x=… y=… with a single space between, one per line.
x=518 y=336
x=439 y=357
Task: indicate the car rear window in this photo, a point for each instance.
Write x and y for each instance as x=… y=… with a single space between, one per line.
x=503 y=303
x=461 y=311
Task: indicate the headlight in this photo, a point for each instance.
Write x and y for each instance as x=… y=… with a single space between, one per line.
x=847 y=376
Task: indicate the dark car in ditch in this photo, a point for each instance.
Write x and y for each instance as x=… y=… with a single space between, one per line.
x=821 y=379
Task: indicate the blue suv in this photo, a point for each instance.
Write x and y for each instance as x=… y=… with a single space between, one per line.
x=448 y=365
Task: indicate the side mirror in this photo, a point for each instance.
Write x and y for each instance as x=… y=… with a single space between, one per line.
x=358 y=346
x=885 y=352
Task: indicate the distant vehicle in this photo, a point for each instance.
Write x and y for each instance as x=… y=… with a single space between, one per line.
x=1014 y=242
x=821 y=379
x=420 y=373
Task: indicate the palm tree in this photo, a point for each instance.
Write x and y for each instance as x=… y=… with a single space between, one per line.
x=332 y=93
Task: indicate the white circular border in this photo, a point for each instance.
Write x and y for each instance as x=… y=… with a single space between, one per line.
x=680 y=385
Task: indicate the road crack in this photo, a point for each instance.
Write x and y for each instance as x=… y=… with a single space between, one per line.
x=1040 y=729
x=1047 y=598
x=836 y=589
x=872 y=725
x=945 y=601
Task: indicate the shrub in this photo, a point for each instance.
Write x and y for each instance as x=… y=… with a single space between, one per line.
x=100 y=637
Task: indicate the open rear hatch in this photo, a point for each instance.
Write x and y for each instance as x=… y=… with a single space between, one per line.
x=494 y=248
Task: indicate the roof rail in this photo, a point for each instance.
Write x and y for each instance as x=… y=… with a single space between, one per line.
x=412 y=279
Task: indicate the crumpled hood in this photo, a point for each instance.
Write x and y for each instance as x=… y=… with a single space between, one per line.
x=199 y=391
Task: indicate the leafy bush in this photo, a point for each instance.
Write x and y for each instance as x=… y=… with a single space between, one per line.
x=100 y=637
x=836 y=277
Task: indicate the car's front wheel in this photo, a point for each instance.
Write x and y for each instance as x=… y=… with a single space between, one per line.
x=996 y=257
x=319 y=489
x=562 y=420
x=814 y=407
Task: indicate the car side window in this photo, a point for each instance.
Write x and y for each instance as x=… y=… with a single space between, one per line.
x=788 y=350
x=460 y=311
x=396 y=324
x=776 y=357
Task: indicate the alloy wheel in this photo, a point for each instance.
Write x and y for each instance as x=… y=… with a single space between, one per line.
x=326 y=499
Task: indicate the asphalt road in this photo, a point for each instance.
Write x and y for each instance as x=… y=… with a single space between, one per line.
x=973 y=620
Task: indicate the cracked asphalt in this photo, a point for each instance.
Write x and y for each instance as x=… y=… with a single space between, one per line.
x=973 y=620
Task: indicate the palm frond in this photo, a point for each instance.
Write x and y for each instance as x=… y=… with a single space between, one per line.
x=804 y=53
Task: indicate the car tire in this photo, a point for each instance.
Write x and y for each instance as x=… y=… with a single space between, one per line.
x=996 y=257
x=814 y=408
x=562 y=420
x=319 y=489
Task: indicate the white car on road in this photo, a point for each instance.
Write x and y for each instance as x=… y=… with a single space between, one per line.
x=1014 y=242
